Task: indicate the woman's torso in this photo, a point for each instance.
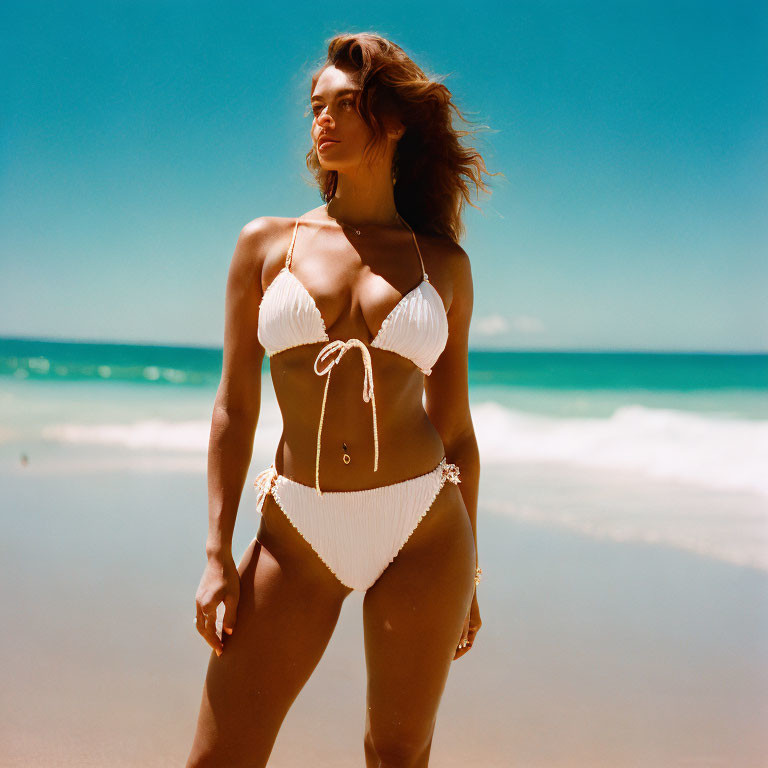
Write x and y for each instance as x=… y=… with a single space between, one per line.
x=383 y=289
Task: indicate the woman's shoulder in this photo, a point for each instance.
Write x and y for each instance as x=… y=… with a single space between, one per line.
x=261 y=246
x=266 y=235
x=265 y=227
x=442 y=244
x=444 y=253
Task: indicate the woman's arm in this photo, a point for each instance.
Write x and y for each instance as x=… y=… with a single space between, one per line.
x=447 y=388
x=238 y=399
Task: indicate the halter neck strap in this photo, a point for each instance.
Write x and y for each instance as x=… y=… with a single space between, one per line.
x=289 y=255
x=416 y=243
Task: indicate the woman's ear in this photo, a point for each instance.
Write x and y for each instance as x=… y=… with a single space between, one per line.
x=395 y=128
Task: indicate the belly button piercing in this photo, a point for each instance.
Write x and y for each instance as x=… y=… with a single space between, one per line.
x=346 y=455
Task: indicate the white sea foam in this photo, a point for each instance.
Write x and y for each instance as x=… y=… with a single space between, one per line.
x=699 y=449
x=691 y=480
x=152 y=434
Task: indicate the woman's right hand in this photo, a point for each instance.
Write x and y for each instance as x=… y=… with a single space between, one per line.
x=220 y=583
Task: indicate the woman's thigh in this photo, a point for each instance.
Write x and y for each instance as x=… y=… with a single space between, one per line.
x=285 y=618
x=413 y=619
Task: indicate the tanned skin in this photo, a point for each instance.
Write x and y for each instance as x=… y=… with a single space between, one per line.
x=281 y=602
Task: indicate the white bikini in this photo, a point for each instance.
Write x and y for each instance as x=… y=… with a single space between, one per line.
x=356 y=533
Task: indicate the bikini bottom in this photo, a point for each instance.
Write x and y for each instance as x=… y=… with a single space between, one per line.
x=357 y=534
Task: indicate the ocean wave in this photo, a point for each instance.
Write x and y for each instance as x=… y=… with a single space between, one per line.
x=149 y=434
x=155 y=434
x=703 y=450
x=698 y=449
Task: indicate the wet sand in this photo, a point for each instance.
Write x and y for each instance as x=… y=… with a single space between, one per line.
x=593 y=652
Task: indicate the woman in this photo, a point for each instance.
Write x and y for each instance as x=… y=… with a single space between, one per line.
x=334 y=289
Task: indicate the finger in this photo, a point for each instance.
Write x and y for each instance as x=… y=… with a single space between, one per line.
x=212 y=638
x=461 y=651
x=200 y=620
x=209 y=630
x=467 y=638
x=211 y=634
x=462 y=647
x=230 y=612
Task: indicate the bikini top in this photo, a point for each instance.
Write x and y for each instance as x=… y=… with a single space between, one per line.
x=416 y=329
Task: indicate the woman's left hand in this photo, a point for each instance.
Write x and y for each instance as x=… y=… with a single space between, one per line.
x=472 y=624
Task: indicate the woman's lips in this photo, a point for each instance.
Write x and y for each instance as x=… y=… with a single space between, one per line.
x=325 y=143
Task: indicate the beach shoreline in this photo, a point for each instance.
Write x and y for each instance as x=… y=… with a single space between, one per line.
x=593 y=652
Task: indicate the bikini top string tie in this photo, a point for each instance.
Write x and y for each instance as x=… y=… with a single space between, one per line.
x=341 y=347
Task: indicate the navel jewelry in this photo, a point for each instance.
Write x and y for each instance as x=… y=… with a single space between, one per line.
x=346 y=455
x=478 y=575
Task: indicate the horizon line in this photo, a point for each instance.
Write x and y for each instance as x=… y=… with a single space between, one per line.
x=472 y=349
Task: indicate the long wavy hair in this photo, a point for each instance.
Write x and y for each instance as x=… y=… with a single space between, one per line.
x=432 y=169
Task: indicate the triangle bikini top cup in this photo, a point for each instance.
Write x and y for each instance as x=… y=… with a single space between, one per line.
x=416 y=329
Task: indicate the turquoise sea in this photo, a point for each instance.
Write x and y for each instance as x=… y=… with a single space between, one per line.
x=668 y=448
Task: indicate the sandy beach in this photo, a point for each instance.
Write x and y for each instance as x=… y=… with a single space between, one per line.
x=593 y=652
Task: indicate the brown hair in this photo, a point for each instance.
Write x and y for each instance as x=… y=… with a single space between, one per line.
x=433 y=170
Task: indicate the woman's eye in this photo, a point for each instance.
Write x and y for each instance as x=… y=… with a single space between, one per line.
x=344 y=102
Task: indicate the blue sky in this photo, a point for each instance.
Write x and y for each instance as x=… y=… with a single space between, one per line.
x=137 y=138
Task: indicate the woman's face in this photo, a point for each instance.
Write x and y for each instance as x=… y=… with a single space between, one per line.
x=335 y=115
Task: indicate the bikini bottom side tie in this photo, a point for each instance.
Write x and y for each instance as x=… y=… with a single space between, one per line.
x=341 y=347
